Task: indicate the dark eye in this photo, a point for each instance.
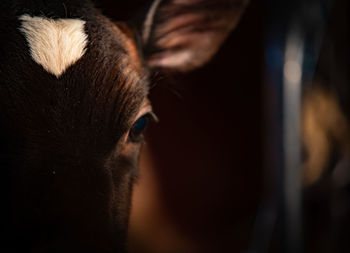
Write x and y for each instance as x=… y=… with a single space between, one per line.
x=138 y=128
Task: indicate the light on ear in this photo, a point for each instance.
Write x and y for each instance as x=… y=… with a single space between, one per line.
x=183 y=35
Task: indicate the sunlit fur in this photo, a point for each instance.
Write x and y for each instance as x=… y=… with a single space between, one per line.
x=323 y=125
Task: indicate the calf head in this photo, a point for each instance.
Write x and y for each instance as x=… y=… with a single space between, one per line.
x=73 y=101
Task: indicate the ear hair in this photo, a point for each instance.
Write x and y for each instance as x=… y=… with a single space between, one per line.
x=146 y=31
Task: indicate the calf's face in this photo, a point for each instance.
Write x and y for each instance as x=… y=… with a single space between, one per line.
x=73 y=101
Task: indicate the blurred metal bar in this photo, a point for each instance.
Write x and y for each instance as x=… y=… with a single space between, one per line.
x=292 y=82
x=292 y=43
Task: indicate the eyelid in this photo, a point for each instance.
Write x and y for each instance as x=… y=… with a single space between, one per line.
x=147 y=110
x=152 y=116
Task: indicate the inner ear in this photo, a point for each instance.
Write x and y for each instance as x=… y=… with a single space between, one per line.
x=182 y=35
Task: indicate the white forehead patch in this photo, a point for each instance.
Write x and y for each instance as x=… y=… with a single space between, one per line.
x=55 y=44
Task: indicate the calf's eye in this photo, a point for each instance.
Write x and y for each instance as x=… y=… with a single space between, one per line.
x=137 y=129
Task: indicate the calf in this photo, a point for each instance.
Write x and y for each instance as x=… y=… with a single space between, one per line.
x=73 y=101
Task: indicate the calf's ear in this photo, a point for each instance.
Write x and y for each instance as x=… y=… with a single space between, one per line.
x=181 y=35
